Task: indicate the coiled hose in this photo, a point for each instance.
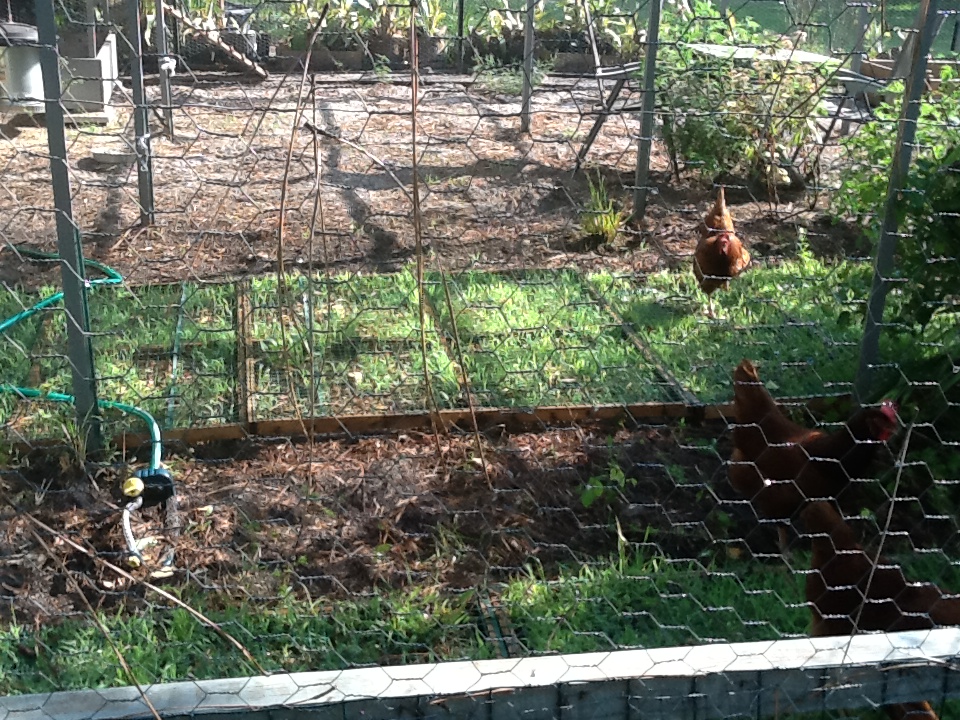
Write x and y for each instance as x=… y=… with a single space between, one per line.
x=147 y=486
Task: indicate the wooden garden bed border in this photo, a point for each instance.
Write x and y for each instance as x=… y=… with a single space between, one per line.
x=513 y=420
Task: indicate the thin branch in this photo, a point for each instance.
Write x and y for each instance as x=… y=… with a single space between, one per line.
x=883 y=536
x=163 y=593
x=435 y=416
x=100 y=626
x=281 y=227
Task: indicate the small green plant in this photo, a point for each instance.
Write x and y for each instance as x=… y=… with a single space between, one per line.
x=600 y=487
x=602 y=218
x=505 y=80
x=381 y=67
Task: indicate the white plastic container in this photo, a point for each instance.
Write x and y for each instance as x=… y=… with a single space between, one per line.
x=21 y=79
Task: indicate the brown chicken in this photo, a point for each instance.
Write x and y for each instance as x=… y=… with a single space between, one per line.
x=777 y=464
x=720 y=254
x=840 y=580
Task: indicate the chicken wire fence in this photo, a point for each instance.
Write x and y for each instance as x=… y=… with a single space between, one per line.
x=524 y=404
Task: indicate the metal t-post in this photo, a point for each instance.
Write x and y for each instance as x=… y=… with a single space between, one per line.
x=927 y=24
x=856 y=58
x=460 y=30
x=642 y=177
x=79 y=344
x=527 y=67
x=141 y=118
x=167 y=67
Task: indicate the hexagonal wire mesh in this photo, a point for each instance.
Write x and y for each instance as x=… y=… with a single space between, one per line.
x=526 y=439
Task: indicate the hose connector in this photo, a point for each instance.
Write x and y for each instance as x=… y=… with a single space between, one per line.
x=146 y=488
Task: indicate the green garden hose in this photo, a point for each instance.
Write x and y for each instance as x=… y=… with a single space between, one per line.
x=112 y=278
x=155 y=440
x=153 y=485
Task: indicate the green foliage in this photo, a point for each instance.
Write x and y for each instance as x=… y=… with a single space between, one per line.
x=930 y=212
x=602 y=217
x=381 y=67
x=732 y=115
x=924 y=305
x=598 y=487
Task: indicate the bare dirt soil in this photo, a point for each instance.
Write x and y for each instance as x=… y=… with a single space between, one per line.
x=345 y=518
x=491 y=196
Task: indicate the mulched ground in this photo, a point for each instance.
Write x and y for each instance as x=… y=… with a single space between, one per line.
x=491 y=197
x=348 y=517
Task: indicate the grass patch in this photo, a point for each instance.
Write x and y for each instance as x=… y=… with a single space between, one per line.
x=133 y=333
x=540 y=338
x=498 y=79
x=652 y=602
x=286 y=635
x=15 y=345
x=634 y=600
x=204 y=390
x=365 y=336
x=801 y=321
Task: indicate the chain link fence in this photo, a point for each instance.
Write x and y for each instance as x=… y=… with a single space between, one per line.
x=341 y=338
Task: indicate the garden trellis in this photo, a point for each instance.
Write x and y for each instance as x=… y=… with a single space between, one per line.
x=468 y=453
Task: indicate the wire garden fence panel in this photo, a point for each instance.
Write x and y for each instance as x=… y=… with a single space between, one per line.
x=426 y=386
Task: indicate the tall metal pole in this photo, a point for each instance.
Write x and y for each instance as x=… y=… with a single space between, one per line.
x=141 y=118
x=856 y=58
x=167 y=68
x=899 y=167
x=460 y=32
x=648 y=106
x=527 y=67
x=79 y=345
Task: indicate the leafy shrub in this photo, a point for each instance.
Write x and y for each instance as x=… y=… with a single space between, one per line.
x=928 y=260
x=925 y=305
x=729 y=115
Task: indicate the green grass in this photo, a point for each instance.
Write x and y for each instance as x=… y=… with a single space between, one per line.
x=800 y=320
x=656 y=603
x=365 y=347
x=631 y=601
x=539 y=338
x=204 y=389
x=285 y=635
x=634 y=600
x=15 y=346
x=133 y=332
x=531 y=338
x=15 y=343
